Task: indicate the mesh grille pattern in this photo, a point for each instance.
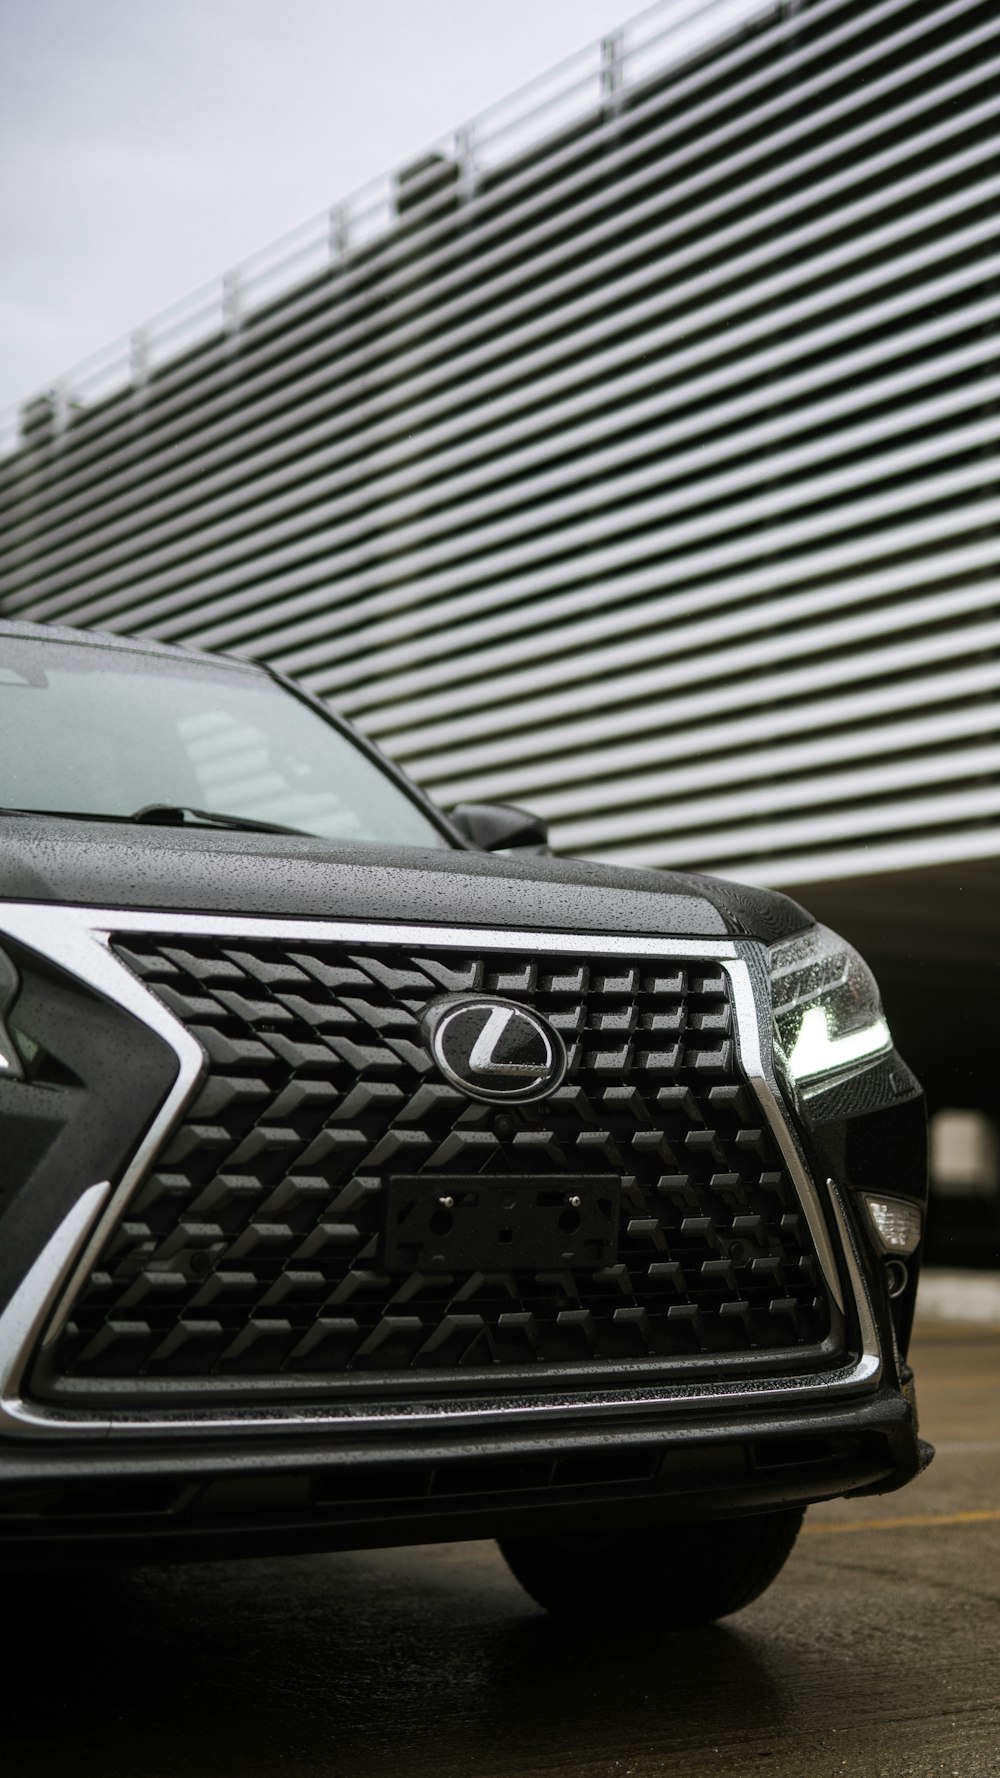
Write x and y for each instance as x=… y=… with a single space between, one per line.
x=253 y=1248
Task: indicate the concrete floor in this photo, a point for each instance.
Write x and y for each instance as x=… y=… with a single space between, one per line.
x=875 y=1653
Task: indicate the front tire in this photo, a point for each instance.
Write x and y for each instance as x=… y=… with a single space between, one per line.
x=667 y=1577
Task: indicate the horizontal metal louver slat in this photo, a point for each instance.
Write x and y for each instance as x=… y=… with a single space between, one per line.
x=846 y=825
x=474 y=660
x=598 y=756
x=976 y=353
x=653 y=788
x=890 y=48
x=287 y=583
x=526 y=715
x=685 y=818
x=964 y=117
x=643 y=465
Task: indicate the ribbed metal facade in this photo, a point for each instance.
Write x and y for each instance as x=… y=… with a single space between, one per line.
x=637 y=461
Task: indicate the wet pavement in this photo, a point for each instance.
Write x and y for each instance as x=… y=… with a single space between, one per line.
x=876 y=1652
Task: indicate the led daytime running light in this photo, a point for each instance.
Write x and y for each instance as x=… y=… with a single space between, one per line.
x=816 y=1051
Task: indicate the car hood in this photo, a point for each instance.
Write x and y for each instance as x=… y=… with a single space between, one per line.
x=202 y=870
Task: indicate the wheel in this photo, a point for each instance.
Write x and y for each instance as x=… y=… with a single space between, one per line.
x=663 y=1576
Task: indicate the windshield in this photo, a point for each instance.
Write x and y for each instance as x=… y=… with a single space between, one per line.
x=98 y=731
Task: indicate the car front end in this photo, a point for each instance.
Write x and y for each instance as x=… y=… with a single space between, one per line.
x=361 y=1193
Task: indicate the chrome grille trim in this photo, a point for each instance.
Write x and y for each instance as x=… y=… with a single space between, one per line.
x=77 y=939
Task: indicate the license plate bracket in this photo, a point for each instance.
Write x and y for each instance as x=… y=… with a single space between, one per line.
x=494 y=1224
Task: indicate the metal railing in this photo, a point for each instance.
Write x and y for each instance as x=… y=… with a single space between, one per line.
x=568 y=94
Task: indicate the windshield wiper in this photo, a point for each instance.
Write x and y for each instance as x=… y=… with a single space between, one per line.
x=169 y=815
x=177 y=814
x=67 y=814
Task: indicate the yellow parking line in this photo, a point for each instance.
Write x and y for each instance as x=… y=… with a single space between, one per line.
x=904 y=1522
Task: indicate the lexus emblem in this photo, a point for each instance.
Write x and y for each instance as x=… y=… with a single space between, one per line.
x=494 y=1049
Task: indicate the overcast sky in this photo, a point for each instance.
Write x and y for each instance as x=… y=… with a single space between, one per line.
x=147 y=145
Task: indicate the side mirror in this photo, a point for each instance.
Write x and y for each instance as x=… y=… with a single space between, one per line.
x=500 y=827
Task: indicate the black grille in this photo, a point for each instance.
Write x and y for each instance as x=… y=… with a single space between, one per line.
x=253 y=1249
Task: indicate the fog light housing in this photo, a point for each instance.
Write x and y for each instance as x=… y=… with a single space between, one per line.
x=898 y=1224
x=897 y=1277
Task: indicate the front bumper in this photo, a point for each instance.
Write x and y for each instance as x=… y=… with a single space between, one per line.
x=184 y=1501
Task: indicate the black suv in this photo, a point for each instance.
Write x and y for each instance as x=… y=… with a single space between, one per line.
x=361 y=1187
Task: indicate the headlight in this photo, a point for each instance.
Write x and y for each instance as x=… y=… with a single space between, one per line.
x=826 y=1006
